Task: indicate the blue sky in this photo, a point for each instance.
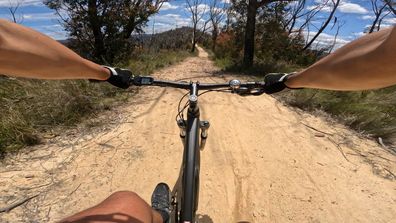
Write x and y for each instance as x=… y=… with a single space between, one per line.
x=33 y=13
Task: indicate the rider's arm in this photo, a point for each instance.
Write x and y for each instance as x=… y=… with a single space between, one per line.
x=27 y=53
x=366 y=63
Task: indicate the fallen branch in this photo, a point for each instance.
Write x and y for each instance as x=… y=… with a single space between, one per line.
x=390 y=172
x=339 y=149
x=357 y=154
x=378 y=156
x=35 y=187
x=330 y=134
x=75 y=190
x=17 y=204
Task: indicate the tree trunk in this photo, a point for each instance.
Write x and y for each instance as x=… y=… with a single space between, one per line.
x=193 y=46
x=99 y=50
x=249 y=34
x=214 y=38
x=194 y=39
x=128 y=29
x=374 y=23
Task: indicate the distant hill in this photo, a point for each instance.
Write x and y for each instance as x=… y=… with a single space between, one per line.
x=179 y=38
x=171 y=39
x=176 y=37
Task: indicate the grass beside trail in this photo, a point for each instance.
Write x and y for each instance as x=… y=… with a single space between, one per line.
x=147 y=63
x=232 y=65
x=368 y=112
x=30 y=108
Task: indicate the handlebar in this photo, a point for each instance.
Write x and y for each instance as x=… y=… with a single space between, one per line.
x=235 y=86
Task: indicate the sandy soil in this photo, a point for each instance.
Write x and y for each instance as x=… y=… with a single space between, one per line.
x=263 y=161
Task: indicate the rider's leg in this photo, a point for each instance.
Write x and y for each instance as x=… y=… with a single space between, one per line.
x=123 y=206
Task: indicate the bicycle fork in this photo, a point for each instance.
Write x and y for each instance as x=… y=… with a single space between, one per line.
x=204 y=126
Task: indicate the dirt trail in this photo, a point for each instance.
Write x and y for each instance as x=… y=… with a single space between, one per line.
x=263 y=162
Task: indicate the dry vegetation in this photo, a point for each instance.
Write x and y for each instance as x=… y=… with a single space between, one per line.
x=31 y=108
x=279 y=49
x=368 y=112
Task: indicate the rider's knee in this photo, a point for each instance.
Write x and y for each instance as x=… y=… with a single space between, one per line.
x=129 y=195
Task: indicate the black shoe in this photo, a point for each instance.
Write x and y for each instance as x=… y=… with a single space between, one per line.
x=161 y=200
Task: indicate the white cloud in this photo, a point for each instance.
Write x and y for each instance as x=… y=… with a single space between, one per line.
x=368 y=17
x=385 y=26
x=166 y=22
x=55 y=31
x=203 y=8
x=325 y=40
x=345 y=7
x=386 y=23
x=7 y=3
x=173 y=19
x=40 y=16
x=390 y=20
x=168 y=6
x=352 y=8
x=170 y=16
x=358 y=35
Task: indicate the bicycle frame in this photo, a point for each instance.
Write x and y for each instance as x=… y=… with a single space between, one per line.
x=189 y=173
x=186 y=191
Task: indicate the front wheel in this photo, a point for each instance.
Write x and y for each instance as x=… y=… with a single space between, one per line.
x=196 y=187
x=190 y=198
x=191 y=164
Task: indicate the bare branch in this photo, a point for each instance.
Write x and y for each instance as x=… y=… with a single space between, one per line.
x=391 y=5
x=306 y=15
x=295 y=13
x=197 y=9
x=335 y=4
x=339 y=25
x=16 y=204
x=381 y=19
x=216 y=14
x=13 y=8
x=378 y=10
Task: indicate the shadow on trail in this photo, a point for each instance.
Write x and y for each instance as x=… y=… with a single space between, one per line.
x=162 y=93
x=152 y=106
x=199 y=76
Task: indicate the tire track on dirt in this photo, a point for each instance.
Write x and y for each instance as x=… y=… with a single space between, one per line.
x=261 y=162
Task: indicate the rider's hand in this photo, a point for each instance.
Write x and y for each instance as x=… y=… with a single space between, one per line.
x=275 y=82
x=119 y=77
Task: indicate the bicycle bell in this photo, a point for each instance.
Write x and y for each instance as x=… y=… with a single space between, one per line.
x=235 y=84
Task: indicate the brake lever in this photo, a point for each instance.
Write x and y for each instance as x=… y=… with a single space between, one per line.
x=243 y=91
x=257 y=92
x=249 y=92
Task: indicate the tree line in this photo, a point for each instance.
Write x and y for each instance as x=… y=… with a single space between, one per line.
x=291 y=26
x=102 y=30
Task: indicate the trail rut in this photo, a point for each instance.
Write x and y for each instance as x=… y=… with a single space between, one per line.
x=261 y=162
